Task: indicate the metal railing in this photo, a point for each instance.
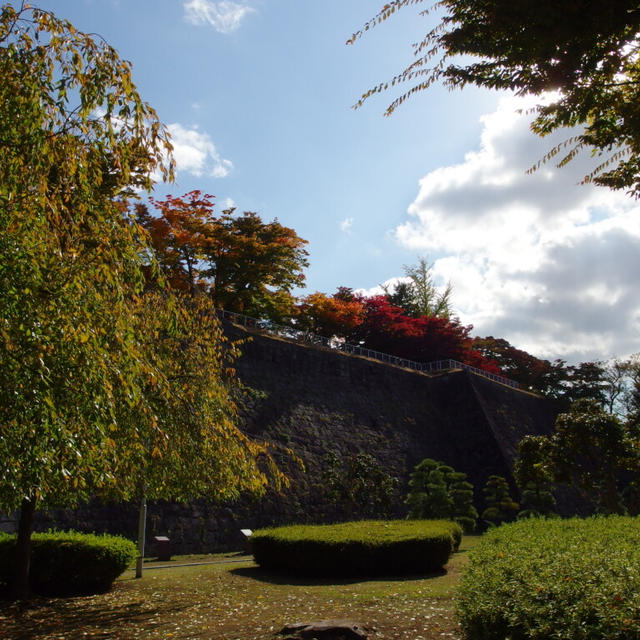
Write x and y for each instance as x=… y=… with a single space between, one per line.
x=306 y=337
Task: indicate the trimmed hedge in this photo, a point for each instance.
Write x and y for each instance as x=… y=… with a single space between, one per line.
x=538 y=578
x=364 y=548
x=69 y=563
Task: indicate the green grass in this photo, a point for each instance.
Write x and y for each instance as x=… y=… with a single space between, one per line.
x=239 y=600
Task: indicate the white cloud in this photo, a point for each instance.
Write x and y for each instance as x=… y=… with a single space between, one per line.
x=346 y=224
x=537 y=259
x=228 y=203
x=195 y=153
x=224 y=16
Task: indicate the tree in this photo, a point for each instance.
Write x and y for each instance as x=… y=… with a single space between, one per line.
x=500 y=506
x=461 y=492
x=358 y=484
x=621 y=385
x=436 y=490
x=336 y=315
x=186 y=443
x=379 y=325
x=533 y=474
x=426 y=299
x=401 y=296
x=586 y=381
x=581 y=55
x=428 y=495
x=592 y=450
x=67 y=260
x=386 y=328
x=95 y=378
x=179 y=236
x=529 y=372
x=243 y=263
x=589 y=450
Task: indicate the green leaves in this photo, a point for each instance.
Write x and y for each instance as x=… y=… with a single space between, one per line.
x=553 y=578
x=582 y=56
x=437 y=491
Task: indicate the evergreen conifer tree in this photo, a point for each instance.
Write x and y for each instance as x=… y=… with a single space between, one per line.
x=461 y=492
x=438 y=491
x=500 y=506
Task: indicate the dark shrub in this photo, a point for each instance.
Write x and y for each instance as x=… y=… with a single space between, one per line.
x=69 y=563
x=365 y=548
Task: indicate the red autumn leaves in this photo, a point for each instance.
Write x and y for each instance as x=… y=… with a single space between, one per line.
x=252 y=267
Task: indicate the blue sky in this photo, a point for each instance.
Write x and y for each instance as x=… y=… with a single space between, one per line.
x=258 y=95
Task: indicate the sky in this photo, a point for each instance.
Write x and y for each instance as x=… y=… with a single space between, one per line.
x=258 y=95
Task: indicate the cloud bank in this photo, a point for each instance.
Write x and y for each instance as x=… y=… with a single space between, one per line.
x=224 y=17
x=548 y=264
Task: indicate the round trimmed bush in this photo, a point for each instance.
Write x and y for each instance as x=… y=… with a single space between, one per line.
x=364 y=548
x=69 y=563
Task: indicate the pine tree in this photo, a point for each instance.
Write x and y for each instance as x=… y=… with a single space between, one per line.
x=429 y=495
x=461 y=492
x=534 y=477
x=438 y=491
x=500 y=506
x=536 y=500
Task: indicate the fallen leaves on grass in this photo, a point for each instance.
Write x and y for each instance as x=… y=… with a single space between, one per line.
x=237 y=601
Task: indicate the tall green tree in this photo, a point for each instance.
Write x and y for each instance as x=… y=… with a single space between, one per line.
x=533 y=473
x=581 y=55
x=592 y=450
x=74 y=135
x=428 y=495
x=98 y=383
x=589 y=450
x=358 y=484
x=419 y=295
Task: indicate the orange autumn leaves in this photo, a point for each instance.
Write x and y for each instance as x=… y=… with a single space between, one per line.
x=249 y=266
x=242 y=263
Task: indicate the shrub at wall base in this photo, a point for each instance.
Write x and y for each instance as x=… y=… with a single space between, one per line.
x=69 y=563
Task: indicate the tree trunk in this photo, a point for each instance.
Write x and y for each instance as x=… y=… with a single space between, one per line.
x=20 y=586
x=142 y=527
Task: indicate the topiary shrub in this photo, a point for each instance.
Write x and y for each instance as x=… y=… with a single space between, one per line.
x=555 y=578
x=500 y=505
x=436 y=490
x=365 y=548
x=69 y=563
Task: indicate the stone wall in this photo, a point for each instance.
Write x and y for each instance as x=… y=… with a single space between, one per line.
x=317 y=401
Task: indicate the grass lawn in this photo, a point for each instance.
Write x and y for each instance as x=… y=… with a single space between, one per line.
x=232 y=598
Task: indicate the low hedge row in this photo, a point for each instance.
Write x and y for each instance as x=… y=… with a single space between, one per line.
x=364 y=548
x=537 y=578
x=69 y=563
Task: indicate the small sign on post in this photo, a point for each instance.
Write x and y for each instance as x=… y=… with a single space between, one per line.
x=247 y=539
x=163 y=548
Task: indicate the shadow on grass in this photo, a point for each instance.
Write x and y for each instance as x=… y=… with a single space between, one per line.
x=104 y=616
x=282 y=578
